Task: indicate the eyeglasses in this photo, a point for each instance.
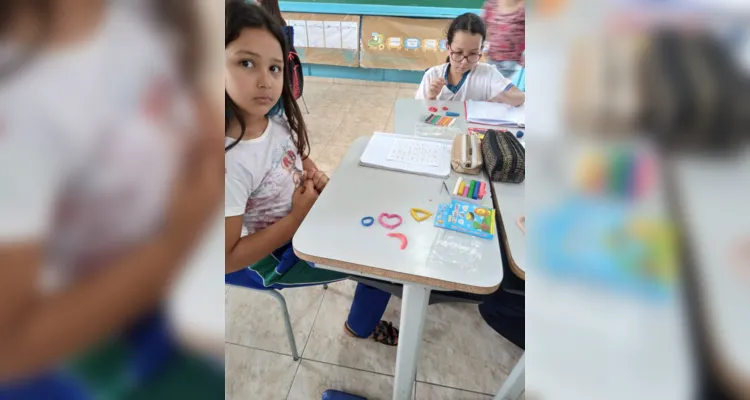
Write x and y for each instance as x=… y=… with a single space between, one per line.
x=460 y=57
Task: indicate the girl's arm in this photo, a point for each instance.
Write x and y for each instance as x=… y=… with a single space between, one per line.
x=38 y=331
x=513 y=96
x=241 y=252
x=248 y=250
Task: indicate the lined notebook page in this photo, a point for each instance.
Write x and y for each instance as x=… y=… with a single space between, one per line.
x=423 y=156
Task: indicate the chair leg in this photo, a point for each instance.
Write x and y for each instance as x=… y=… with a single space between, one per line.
x=287 y=322
x=305 y=104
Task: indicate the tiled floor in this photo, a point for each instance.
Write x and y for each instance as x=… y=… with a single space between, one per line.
x=461 y=357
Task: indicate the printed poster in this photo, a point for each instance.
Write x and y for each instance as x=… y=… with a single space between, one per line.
x=349 y=35
x=300 y=32
x=403 y=43
x=332 y=40
x=315 y=34
x=333 y=34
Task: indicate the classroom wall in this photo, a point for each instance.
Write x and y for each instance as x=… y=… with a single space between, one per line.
x=388 y=45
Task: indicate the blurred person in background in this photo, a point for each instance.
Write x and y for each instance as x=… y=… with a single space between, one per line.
x=109 y=172
x=506 y=33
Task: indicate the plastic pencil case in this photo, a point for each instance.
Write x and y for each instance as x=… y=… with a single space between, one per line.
x=466 y=154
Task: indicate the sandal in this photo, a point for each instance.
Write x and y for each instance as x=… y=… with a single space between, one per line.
x=385 y=333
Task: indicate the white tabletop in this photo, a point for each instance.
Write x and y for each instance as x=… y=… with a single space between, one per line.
x=511 y=203
x=196 y=304
x=333 y=235
x=715 y=195
x=410 y=112
x=511 y=197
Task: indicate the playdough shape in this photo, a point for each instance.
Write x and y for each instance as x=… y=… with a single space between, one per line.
x=419 y=214
x=390 y=225
x=404 y=241
x=522 y=224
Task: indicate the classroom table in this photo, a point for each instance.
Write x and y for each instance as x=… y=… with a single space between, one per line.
x=714 y=194
x=510 y=199
x=408 y=112
x=195 y=306
x=333 y=237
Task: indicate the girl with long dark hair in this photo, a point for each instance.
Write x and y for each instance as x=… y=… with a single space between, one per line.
x=270 y=182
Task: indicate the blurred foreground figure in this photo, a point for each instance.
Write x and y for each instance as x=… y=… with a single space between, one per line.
x=110 y=167
x=637 y=185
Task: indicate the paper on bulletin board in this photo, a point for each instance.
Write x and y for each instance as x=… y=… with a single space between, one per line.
x=403 y=43
x=349 y=35
x=315 y=34
x=333 y=34
x=334 y=39
x=300 y=32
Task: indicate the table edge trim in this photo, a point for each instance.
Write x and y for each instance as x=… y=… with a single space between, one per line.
x=421 y=280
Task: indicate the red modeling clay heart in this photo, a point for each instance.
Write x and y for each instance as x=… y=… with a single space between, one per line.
x=388 y=225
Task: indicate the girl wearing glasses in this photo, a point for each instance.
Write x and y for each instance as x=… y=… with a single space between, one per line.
x=462 y=77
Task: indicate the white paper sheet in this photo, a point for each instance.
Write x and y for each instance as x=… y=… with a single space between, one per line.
x=315 y=34
x=333 y=34
x=300 y=32
x=483 y=112
x=349 y=35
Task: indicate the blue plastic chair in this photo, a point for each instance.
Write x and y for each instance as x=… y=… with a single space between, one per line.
x=52 y=386
x=247 y=279
x=337 y=395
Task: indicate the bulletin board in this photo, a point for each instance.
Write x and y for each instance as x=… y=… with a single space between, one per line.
x=403 y=43
x=329 y=39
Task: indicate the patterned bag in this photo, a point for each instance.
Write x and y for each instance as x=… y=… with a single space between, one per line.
x=504 y=157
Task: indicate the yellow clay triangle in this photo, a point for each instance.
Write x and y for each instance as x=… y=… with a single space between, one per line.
x=420 y=214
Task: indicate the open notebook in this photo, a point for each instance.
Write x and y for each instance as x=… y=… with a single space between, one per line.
x=482 y=112
x=412 y=154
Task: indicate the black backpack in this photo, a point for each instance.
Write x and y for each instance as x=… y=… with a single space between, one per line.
x=294 y=65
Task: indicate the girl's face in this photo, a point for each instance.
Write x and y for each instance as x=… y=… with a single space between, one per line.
x=465 y=51
x=254 y=75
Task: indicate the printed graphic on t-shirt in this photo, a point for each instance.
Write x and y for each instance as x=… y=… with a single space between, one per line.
x=272 y=200
x=113 y=206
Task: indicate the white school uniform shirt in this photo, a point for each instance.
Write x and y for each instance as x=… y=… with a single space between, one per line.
x=261 y=176
x=482 y=83
x=89 y=144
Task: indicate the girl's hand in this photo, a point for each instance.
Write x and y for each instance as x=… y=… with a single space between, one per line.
x=436 y=87
x=320 y=180
x=303 y=199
